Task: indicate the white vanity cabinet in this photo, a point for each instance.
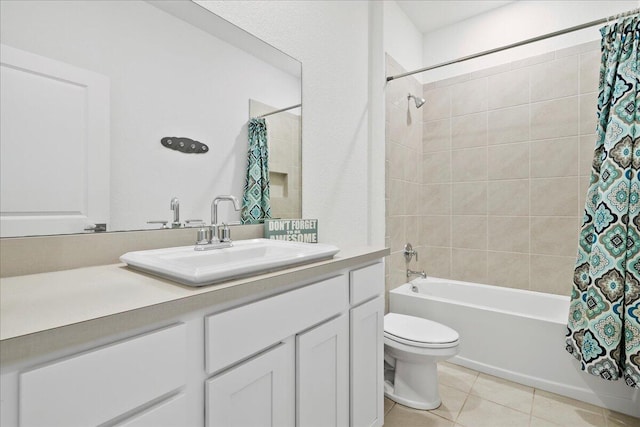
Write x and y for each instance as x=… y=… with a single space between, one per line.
x=241 y=332
x=322 y=374
x=336 y=377
x=296 y=323
x=310 y=355
x=104 y=383
x=367 y=346
x=258 y=392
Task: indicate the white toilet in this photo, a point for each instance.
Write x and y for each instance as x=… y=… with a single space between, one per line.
x=412 y=348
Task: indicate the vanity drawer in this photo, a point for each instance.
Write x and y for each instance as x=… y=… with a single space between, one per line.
x=366 y=283
x=236 y=334
x=98 y=385
x=168 y=413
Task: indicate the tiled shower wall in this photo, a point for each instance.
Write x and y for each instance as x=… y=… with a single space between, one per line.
x=403 y=175
x=487 y=180
x=284 y=160
x=506 y=159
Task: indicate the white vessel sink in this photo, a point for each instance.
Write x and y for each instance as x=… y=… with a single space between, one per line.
x=246 y=257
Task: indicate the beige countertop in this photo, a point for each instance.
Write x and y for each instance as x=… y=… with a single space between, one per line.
x=50 y=310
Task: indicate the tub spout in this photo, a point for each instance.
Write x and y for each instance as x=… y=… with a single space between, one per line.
x=416 y=273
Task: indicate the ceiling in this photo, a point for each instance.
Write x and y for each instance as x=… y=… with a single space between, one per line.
x=429 y=15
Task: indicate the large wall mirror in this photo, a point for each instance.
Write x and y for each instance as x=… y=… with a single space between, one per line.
x=90 y=88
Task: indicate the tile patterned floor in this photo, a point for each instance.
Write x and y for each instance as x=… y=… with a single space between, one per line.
x=473 y=399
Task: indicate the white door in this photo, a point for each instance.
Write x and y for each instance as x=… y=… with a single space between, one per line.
x=54 y=145
x=367 y=347
x=323 y=375
x=257 y=393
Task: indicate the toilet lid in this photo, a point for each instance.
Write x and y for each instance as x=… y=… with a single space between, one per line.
x=417 y=329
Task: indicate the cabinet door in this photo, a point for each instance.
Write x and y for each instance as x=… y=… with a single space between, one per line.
x=367 y=363
x=259 y=392
x=323 y=375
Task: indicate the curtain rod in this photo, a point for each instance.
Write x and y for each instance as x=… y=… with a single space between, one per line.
x=280 y=110
x=520 y=43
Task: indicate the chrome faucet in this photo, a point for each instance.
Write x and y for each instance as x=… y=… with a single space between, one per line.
x=416 y=273
x=210 y=239
x=409 y=253
x=175 y=207
x=214 y=213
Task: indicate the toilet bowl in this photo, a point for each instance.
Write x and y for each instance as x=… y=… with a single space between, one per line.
x=412 y=348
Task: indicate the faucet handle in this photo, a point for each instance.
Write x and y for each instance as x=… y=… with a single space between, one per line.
x=409 y=252
x=225 y=233
x=204 y=236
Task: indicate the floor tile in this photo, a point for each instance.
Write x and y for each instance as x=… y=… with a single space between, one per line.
x=472 y=399
x=539 y=422
x=452 y=401
x=566 y=411
x=507 y=393
x=616 y=419
x=456 y=376
x=478 y=412
x=388 y=404
x=401 y=416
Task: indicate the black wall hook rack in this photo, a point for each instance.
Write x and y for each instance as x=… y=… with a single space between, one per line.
x=184 y=145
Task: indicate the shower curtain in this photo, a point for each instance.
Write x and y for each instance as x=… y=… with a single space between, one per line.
x=256 y=206
x=603 y=326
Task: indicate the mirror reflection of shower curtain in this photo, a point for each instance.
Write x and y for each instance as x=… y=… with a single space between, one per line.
x=256 y=206
x=604 y=318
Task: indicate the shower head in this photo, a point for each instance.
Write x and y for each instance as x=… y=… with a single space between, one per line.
x=419 y=101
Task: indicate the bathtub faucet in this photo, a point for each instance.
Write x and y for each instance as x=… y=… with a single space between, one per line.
x=416 y=273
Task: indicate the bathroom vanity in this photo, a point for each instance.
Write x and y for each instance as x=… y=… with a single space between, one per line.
x=107 y=345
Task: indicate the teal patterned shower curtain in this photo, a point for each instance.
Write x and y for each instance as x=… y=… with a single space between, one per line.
x=256 y=206
x=603 y=326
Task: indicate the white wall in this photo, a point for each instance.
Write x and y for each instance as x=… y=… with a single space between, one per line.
x=402 y=40
x=514 y=22
x=330 y=38
x=168 y=78
x=377 y=126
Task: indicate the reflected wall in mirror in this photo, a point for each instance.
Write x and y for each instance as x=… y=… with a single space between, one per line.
x=89 y=88
x=285 y=161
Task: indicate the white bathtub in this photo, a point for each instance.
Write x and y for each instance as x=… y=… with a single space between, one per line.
x=513 y=334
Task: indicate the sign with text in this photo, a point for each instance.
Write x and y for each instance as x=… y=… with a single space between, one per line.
x=295 y=230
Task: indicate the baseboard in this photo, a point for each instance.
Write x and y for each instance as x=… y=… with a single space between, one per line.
x=626 y=406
